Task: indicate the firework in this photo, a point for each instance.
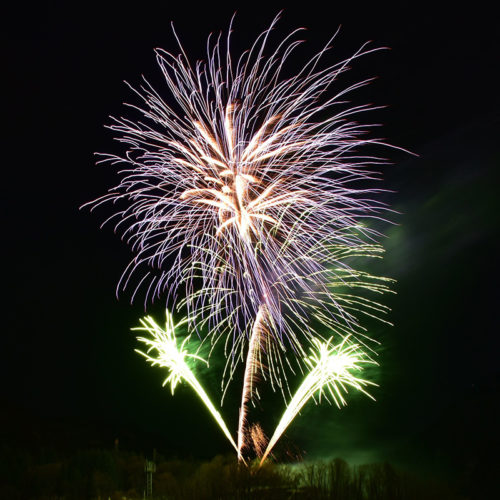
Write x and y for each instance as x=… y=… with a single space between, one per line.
x=173 y=357
x=240 y=188
x=240 y=195
x=331 y=370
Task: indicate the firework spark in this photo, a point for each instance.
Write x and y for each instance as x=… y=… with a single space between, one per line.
x=331 y=369
x=173 y=357
x=259 y=439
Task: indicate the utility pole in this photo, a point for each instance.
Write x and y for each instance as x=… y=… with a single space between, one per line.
x=149 y=468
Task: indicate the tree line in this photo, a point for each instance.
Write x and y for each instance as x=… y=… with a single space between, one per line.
x=114 y=474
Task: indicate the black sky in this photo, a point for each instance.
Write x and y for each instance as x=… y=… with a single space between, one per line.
x=67 y=349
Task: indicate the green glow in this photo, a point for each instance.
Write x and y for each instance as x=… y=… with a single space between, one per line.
x=172 y=357
x=331 y=368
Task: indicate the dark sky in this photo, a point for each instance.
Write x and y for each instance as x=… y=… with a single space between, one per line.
x=66 y=341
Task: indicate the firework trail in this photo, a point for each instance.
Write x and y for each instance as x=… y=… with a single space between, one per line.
x=252 y=367
x=173 y=357
x=331 y=368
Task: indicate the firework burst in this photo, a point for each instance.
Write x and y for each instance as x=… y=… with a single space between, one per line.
x=241 y=188
x=242 y=203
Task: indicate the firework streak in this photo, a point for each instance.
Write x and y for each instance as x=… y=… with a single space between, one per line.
x=331 y=368
x=174 y=359
x=252 y=367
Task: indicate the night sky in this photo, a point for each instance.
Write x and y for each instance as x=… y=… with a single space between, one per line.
x=68 y=358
